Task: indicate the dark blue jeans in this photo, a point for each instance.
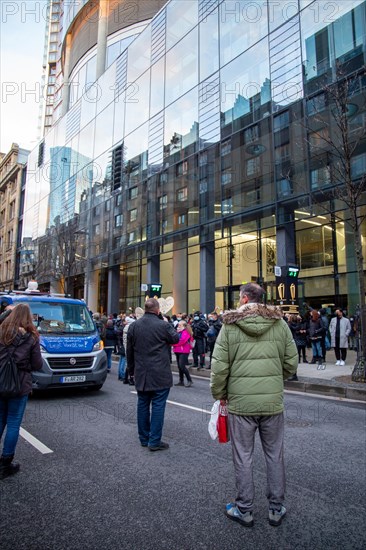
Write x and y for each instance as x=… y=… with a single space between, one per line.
x=11 y=415
x=150 y=427
x=109 y=352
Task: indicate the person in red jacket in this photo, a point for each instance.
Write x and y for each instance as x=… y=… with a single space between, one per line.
x=182 y=350
x=20 y=338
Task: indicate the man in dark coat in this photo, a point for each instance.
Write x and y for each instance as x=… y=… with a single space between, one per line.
x=148 y=357
x=199 y=328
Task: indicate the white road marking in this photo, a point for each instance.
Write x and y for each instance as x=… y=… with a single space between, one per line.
x=184 y=406
x=35 y=442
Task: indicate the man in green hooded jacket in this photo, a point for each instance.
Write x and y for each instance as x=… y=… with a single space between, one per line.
x=253 y=355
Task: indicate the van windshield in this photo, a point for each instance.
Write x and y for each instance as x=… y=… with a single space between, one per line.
x=61 y=318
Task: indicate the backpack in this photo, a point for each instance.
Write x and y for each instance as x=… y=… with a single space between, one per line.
x=9 y=378
x=211 y=333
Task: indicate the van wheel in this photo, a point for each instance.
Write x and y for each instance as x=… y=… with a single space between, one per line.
x=95 y=388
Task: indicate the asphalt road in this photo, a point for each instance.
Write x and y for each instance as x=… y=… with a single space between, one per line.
x=99 y=489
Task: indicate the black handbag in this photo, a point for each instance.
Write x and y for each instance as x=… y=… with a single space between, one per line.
x=9 y=377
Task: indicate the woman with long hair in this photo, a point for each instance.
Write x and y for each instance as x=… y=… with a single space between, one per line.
x=181 y=351
x=20 y=339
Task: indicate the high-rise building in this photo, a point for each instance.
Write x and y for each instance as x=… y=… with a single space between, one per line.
x=208 y=149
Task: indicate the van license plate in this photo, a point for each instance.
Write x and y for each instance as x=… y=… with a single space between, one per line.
x=66 y=379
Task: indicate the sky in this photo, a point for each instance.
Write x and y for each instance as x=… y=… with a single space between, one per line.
x=22 y=28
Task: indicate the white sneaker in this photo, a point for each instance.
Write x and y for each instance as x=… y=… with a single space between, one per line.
x=341 y=363
x=323 y=366
x=338 y=362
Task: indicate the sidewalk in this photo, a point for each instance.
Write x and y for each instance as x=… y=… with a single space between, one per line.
x=333 y=381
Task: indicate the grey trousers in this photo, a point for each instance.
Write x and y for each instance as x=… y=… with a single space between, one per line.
x=242 y=434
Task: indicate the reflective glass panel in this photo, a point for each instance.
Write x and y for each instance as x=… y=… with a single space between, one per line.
x=245 y=84
x=157 y=87
x=139 y=55
x=103 y=130
x=137 y=102
x=181 y=126
x=209 y=45
x=181 y=18
x=280 y=12
x=242 y=23
x=181 y=67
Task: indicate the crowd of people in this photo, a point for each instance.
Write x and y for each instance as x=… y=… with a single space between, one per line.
x=316 y=331
x=197 y=332
x=320 y=332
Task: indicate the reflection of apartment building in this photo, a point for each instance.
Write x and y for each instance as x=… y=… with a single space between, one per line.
x=207 y=124
x=12 y=180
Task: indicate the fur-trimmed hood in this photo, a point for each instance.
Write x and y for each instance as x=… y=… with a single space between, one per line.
x=254 y=319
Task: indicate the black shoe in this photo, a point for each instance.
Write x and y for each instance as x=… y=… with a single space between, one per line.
x=312 y=362
x=8 y=467
x=293 y=378
x=179 y=384
x=305 y=361
x=125 y=381
x=162 y=447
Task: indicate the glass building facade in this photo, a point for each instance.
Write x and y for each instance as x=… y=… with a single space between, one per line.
x=202 y=158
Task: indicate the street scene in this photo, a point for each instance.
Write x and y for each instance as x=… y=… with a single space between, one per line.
x=99 y=488
x=182 y=274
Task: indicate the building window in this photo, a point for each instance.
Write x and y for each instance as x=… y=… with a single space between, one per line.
x=282 y=153
x=203 y=159
x=12 y=210
x=281 y=121
x=107 y=206
x=319 y=177
x=227 y=207
x=226 y=177
x=96 y=229
x=182 y=168
x=118 y=220
x=133 y=215
x=131 y=237
x=318 y=141
x=133 y=192
x=315 y=104
x=9 y=244
x=163 y=202
x=182 y=219
x=358 y=166
x=182 y=194
x=203 y=186
x=251 y=134
x=284 y=188
x=253 y=166
x=118 y=200
x=226 y=147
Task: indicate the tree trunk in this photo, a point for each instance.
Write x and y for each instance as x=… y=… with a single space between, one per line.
x=359 y=372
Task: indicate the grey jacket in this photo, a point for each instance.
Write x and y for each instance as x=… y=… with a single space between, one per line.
x=344 y=330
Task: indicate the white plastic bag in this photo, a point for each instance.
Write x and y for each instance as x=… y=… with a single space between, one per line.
x=212 y=425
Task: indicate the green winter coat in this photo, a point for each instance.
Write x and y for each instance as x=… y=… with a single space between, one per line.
x=254 y=353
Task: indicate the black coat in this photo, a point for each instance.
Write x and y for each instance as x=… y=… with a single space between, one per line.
x=110 y=339
x=148 y=352
x=27 y=356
